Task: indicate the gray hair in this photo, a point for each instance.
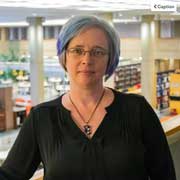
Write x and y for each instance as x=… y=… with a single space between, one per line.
x=75 y=25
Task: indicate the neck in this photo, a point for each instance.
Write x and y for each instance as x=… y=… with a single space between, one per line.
x=86 y=95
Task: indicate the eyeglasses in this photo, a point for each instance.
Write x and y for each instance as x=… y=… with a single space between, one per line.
x=80 y=52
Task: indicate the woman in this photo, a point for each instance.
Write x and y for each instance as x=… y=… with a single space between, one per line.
x=90 y=132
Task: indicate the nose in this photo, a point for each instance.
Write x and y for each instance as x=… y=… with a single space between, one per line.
x=86 y=58
x=87 y=52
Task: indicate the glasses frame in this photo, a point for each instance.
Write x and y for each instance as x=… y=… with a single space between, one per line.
x=104 y=51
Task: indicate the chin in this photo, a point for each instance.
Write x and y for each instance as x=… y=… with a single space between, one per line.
x=89 y=82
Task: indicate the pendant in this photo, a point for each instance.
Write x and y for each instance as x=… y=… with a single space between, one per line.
x=87 y=130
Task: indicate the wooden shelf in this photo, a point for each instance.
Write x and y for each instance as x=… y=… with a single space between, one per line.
x=6 y=109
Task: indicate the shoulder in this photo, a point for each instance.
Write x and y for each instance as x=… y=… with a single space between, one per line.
x=45 y=108
x=128 y=97
x=131 y=102
x=134 y=103
x=45 y=114
x=48 y=104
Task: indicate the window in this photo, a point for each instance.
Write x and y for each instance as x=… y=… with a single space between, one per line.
x=12 y=34
x=169 y=29
x=57 y=30
x=23 y=32
x=166 y=29
x=48 y=32
x=128 y=30
x=16 y=33
x=51 y=32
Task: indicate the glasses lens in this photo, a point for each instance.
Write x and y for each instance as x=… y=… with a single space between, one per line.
x=79 y=52
x=98 y=53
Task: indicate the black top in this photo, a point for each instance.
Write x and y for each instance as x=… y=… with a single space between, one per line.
x=129 y=144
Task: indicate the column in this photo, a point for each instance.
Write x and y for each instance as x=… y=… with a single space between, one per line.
x=3 y=41
x=3 y=34
x=149 y=38
x=35 y=38
x=171 y=63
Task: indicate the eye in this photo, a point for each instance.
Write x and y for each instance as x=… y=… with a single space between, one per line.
x=98 y=52
x=77 y=51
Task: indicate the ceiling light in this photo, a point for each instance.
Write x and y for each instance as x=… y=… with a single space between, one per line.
x=23 y=23
x=14 y=24
x=126 y=20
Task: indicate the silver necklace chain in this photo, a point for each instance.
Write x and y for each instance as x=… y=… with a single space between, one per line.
x=87 y=127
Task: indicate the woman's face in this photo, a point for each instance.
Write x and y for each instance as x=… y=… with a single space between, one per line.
x=87 y=68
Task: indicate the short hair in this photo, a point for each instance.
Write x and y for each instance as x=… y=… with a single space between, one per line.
x=75 y=25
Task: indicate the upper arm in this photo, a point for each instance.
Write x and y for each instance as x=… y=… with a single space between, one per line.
x=158 y=158
x=24 y=156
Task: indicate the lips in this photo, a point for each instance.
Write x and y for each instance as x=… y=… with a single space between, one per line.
x=86 y=71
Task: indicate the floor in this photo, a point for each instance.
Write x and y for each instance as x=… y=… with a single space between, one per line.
x=7 y=139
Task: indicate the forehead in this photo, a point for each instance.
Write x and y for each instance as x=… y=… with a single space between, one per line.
x=91 y=36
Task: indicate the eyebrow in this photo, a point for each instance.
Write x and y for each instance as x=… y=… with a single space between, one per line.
x=81 y=46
